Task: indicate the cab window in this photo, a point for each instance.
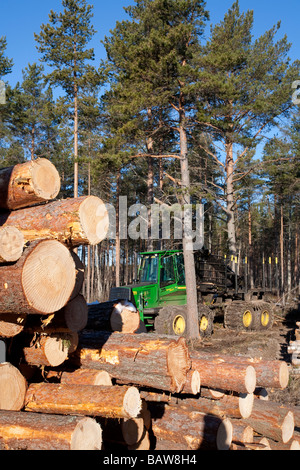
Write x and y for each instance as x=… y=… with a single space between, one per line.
x=167 y=274
x=180 y=269
x=148 y=269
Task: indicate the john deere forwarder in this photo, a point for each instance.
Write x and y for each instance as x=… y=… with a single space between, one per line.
x=160 y=294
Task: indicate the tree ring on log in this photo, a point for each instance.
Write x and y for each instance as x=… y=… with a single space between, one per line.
x=48 y=276
x=288 y=426
x=132 y=403
x=45 y=176
x=224 y=435
x=11 y=244
x=87 y=435
x=94 y=219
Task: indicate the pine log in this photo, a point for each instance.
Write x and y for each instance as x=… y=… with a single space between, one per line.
x=132 y=430
x=41 y=282
x=28 y=183
x=89 y=400
x=193 y=383
x=291 y=445
x=11 y=324
x=13 y=388
x=34 y=431
x=73 y=221
x=242 y=433
x=51 y=350
x=190 y=429
x=73 y=317
x=11 y=244
x=239 y=378
x=136 y=357
x=116 y=315
x=143 y=444
x=269 y=373
x=86 y=377
x=272 y=420
x=229 y=405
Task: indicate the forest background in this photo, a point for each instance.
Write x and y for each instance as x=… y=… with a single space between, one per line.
x=178 y=108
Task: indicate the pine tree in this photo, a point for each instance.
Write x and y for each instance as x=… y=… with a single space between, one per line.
x=244 y=86
x=151 y=60
x=63 y=43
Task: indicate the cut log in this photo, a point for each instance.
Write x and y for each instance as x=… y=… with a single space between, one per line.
x=42 y=281
x=193 y=383
x=73 y=316
x=28 y=183
x=86 y=377
x=116 y=315
x=11 y=244
x=11 y=325
x=139 y=358
x=272 y=420
x=143 y=444
x=229 y=406
x=190 y=429
x=34 y=431
x=73 y=221
x=239 y=378
x=13 y=388
x=269 y=373
x=132 y=430
x=242 y=433
x=291 y=445
x=89 y=400
x=51 y=350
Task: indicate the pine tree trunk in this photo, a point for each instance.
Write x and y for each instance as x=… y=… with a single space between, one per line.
x=189 y=262
x=230 y=199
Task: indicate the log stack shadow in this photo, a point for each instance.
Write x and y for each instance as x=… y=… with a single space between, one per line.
x=79 y=377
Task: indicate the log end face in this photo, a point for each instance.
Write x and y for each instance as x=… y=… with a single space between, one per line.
x=250 y=379
x=94 y=219
x=246 y=401
x=284 y=375
x=45 y=179
x=87 y=435
x=132 y=403
x=48 y=276
x=288 y=426
x=11 y=244
x=224 y=435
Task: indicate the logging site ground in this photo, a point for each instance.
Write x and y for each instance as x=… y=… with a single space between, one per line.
x=269 y=345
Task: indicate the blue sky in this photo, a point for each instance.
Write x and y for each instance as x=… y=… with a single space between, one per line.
x=20 y=19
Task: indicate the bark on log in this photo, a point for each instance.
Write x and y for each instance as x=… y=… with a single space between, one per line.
x=239 y=378
x=193 y=383
x=86 y=377
x=11 y=324
x=242 y=433
x=73 y=221
x=28 y=183
x=272 y=420
x=89 y=400
x=136 y=357
x=229 y=406
x=34 y=431
x=52 y=350
x=190 y=429
x=41 y=282
x=269 y=373
x=13 y=388
x=11 y=244
x=116 y=315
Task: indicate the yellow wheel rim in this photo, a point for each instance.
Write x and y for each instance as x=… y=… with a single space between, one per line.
x=247 y=318
x=203 y=324
x=265 y=318
x=179 y=325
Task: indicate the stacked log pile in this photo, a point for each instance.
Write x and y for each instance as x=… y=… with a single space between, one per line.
x=91 y=377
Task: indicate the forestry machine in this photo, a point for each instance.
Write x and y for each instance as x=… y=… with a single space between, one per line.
x=159 y=294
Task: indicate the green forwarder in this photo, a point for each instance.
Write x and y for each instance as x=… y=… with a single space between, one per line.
x=159 y=294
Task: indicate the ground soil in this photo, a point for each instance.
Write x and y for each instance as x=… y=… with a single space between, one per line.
x=269 y=345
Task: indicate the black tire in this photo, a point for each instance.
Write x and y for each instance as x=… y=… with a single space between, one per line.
x=240 y=316
x=171 y=320
x=205 y=321
x=264 y=316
